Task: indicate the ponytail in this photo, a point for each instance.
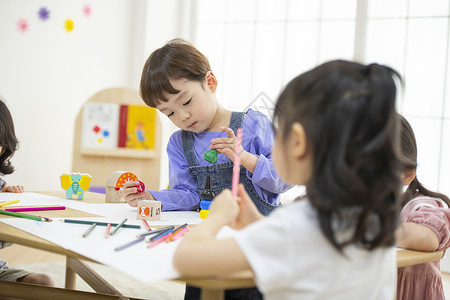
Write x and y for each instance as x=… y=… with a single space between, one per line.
x=416 y=187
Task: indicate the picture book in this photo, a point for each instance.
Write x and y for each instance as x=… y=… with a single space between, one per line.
x=137 y=127
x=100 y=123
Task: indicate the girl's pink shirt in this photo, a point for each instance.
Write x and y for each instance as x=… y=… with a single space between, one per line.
x=424 y=281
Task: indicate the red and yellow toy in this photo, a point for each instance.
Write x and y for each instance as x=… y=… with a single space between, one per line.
x=115 y=183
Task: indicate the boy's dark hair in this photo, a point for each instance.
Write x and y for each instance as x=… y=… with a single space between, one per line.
x=348 y=112
x=409 y=151
x=8 y=139
x=175 y=60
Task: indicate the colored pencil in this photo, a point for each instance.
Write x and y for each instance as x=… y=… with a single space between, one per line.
x=175 y=231
x=19 y=215
x=155 y=231
x=130 y=243
x=158 y=241
x=9 y=202
x=89 y=230
x=144 y=221
x=167 y=232
x=118 y=226
x=236 y=163
x=99 y=223
x=108 y=229
x=35 y=208
x=180 y=233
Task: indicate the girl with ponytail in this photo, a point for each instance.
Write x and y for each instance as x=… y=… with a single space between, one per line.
x=426 y=227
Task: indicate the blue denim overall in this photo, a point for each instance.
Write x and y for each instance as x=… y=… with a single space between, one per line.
x=221 y=174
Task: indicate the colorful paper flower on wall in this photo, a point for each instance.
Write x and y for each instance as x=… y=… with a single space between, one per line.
x=69 y=25
x=87 y=10
x=44 y=13
x=23 y=25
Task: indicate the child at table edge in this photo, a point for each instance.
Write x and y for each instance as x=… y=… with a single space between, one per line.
x=426 y=227
x=338 y=136
x=178 y=81
x=8 y=146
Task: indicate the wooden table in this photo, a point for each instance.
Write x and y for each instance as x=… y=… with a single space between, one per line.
x=212 y=288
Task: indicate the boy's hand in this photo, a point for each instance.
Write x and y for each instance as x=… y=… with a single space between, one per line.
x=13 y=189
x=226 y=146
x=248 y=213
x=224 y=206
x=131 y=195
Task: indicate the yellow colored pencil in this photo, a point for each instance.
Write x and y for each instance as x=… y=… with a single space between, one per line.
x=9 y=202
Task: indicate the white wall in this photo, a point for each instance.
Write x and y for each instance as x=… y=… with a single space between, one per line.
x=47 y=73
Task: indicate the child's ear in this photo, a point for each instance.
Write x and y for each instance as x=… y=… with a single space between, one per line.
x=408 y=176
x=211 y=81
x=299 y=141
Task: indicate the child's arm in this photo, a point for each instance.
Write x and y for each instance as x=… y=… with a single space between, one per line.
x=13 y=189
x=200 y=254
x=418 y=237
x=426 y=226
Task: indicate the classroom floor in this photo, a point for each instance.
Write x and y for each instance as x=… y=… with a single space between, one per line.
x=20 y=255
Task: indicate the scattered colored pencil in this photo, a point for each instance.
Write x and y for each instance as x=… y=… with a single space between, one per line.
x=144 y=221
x=108 y=229
x=155 y=231
x=19 y=215
x=99 y=223
x=9 y=202
x=175 y=231
x=130 y=243
x=236 y=163
x=35 y=208
x=167 y=232
x=118 y=226
x=155 y=242
x=180 y=233
x=89 y=230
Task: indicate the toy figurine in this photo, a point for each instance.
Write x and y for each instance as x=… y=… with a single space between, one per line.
x=211 y=156
x=75 y=184
x=206 y=197
x=115 y=182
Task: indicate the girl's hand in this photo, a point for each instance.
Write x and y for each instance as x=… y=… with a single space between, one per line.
x=224 y=206
x=248 y=213
x=131 y=195
x=13 y=189
x=226 y=146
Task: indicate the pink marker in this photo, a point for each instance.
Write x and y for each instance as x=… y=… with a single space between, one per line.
x=35 y=208
x=237 y=163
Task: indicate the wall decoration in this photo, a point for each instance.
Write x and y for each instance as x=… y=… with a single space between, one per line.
x=87 y=10
x=44 y=13
x=69 y=25
x=23 y=25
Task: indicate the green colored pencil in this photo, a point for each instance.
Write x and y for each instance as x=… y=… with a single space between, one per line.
x=118 y=226
x=98 y=223
x=20 y=215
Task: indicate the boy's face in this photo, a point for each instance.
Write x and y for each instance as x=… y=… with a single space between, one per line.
x=194 y=107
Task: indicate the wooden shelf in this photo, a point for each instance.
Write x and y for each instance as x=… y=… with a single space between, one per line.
x=119 y=152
